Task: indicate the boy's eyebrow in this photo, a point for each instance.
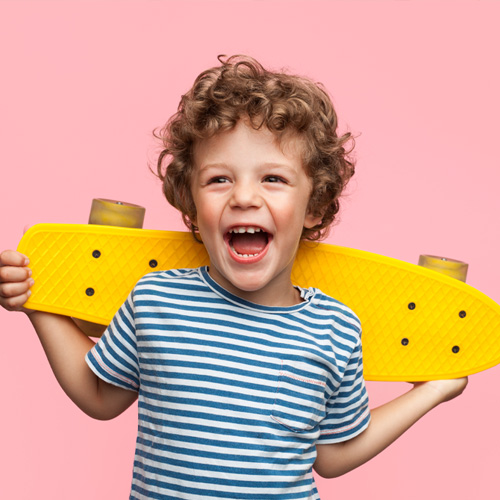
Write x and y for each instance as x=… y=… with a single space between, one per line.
x=202 y=169
x=213 y=165
x=209 y=166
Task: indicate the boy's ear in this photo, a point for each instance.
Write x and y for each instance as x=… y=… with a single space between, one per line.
x=311 y=220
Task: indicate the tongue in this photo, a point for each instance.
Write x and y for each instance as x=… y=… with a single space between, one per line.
x=249 y=244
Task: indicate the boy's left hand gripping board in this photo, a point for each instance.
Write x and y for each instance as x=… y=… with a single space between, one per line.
x=418 y=324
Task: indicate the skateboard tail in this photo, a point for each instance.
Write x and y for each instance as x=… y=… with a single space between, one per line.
x=417 y=324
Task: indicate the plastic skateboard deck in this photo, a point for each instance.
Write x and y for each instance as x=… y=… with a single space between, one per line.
x=417 y=324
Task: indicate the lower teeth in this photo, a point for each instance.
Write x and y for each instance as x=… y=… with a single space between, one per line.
x=245 y=255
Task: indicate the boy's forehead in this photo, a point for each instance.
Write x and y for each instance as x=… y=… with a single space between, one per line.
x=243 y=138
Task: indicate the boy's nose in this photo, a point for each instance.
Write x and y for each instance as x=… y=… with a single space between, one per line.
x=245 y=195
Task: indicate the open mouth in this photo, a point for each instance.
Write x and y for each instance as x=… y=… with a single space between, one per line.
x=248 y=241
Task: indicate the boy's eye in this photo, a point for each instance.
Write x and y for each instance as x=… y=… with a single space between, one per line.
x=274 y=178
x=218 y=180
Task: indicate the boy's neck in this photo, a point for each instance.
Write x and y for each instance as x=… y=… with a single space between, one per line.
x=280 y=293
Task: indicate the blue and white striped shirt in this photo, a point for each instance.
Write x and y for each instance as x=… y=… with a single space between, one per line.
x=233 y=396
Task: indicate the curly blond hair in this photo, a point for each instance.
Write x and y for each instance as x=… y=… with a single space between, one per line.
x=288 y=105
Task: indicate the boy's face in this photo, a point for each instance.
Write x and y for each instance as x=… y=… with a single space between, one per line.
x=251 y=197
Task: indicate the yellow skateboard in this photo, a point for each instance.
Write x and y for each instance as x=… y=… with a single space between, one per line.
x=418 y=324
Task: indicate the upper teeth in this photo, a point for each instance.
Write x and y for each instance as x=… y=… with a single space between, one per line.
x=248 y=229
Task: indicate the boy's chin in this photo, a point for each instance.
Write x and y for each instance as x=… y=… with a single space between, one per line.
x=238 y=284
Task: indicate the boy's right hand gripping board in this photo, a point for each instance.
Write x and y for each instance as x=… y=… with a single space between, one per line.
x=417 y=324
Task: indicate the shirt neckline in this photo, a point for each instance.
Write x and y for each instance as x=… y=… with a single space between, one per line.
x=306 y=295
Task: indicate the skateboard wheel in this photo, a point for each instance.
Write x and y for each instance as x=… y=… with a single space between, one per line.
x=116 y=213
x=109 y=213
x=453 y=268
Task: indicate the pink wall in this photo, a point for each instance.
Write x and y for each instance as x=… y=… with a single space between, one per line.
x=84 y=83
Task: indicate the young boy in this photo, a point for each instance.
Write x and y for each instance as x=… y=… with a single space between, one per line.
x=245 y=382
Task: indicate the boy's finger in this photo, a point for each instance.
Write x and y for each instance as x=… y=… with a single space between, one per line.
x=10 y=274
x=15 y=303
x=13 y=258
x=8 y=290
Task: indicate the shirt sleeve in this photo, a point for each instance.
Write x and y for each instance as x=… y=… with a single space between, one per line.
x=347 y=411
x=114 y=358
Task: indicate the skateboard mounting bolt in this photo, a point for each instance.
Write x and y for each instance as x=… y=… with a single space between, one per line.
x=462 y=314
x=405 y=342
x=455 y=349
x=96 y=254
x=90 y=292
x=411 y=306
x=153 y=263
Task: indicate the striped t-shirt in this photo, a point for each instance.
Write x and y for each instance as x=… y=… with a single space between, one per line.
x=233 y=396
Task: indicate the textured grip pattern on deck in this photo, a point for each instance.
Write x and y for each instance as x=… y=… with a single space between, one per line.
x=431 y=340
x=413 y=319
x=70 y=280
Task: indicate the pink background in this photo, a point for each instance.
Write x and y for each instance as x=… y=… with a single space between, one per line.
x=84 y=83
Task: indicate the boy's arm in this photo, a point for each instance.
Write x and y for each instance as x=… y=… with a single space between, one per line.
x=388 y=423
x=66 y=346
x=64 y=343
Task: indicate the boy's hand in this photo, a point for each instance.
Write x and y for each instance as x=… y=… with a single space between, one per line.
x=445 y=390
x=388 y=423
x=15 y=281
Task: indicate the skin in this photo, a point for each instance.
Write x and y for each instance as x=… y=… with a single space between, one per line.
x=242 y=178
